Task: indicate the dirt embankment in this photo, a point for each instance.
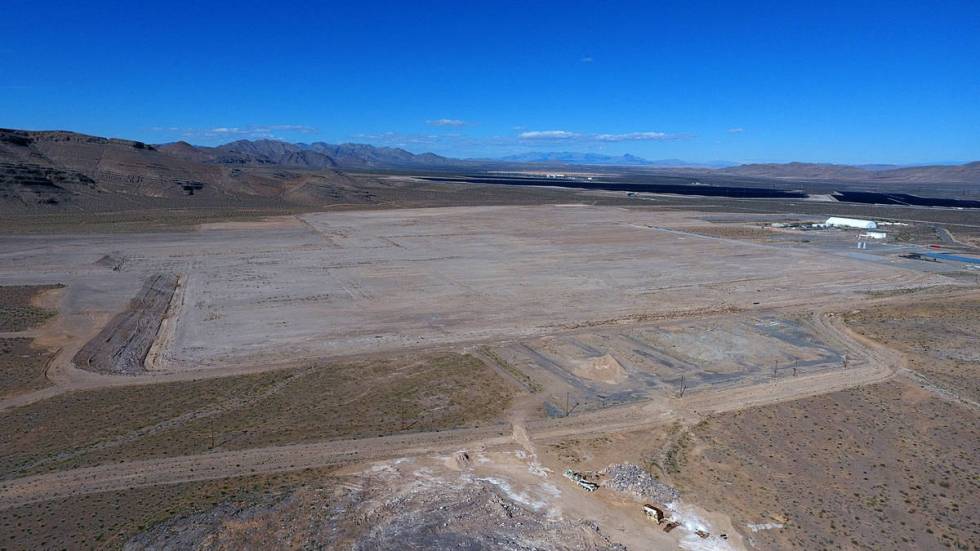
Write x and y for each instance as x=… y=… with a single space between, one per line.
x=121 y=347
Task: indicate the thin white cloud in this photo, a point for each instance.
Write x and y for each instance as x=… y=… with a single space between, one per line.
x=586 y=59
x=633 y=137
x=442 y=140
x=446 y=122
x=568 y=136
x=465 y=144
x=268 y=131
x=736 y=130
x=548 y=135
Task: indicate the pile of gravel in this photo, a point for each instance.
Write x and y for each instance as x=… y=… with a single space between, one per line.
x=635 y=481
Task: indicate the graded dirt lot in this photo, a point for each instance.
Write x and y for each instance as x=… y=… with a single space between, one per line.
x=369 y=281
x=453 y=362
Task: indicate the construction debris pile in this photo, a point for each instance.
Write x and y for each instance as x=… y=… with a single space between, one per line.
x=579 y=479
x=634 y=480
x=384 y=509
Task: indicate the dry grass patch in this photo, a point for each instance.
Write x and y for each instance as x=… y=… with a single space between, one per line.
x=21 y=366
x=16 y=311
x=108 y=520
x=66 y=424
x=884 y=467
x=353 y=400
x=733 y=232
x=940 y=339
x=334 y=401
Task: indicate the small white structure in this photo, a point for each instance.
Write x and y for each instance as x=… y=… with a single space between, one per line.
x=838 y=222
x=873 y=235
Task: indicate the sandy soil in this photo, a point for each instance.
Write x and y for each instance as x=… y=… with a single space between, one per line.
x=621 y=314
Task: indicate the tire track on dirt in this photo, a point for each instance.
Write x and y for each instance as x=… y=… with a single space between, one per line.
x=882 y=364
x=225 y=406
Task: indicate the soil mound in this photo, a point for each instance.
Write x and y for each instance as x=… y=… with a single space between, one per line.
x=604 y=369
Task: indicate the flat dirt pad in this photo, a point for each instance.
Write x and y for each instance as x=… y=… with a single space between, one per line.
x=348 y=283
x=889 y=466
x=376 y=280
x=593 y=368
x=363 y=399
x=21 y=366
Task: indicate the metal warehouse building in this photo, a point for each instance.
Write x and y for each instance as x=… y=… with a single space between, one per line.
x=851 y=223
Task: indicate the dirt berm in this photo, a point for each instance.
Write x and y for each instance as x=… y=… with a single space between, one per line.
x=121 y=347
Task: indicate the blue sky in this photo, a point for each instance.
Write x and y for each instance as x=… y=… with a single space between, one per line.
x=857 y=81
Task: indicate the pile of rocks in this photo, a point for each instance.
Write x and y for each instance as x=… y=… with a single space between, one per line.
x=635 y=481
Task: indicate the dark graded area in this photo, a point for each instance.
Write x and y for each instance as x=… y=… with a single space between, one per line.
x=17 y=313
x=714 y=186
x=961 y=222
x=903 y=199
x=683 y=186
x=335 y=401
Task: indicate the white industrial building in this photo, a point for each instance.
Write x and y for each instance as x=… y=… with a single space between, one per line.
x=873 y=235
x=838 y=222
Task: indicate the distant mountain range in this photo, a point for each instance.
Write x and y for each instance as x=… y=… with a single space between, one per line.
x=965 y=173
x=40 y=168
x=315 y=155
x=575 y=158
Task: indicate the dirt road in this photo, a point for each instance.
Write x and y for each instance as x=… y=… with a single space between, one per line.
x=870 y=363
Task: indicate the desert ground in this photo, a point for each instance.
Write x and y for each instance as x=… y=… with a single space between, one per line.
x=461 y=377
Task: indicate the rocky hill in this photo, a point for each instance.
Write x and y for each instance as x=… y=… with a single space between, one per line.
x=316 y=155
x=68 y=169
x=966 y=173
